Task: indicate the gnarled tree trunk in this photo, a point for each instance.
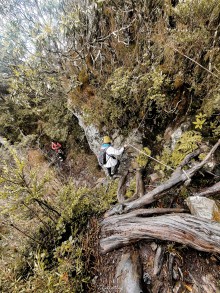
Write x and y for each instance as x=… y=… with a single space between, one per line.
x=198 y=233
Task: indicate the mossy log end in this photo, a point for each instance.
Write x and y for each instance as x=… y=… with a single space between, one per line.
x=198 y=233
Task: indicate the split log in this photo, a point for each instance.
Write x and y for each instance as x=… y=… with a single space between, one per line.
x=129 y=273
x=179 y=176
x=122 y=187
x=213 y=190
x=170 y=268
x=158 y=260
x=198 y=233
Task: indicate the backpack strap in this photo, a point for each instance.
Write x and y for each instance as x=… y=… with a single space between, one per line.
x=110 y=156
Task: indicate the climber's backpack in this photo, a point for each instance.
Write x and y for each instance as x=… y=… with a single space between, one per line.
x=102 y=156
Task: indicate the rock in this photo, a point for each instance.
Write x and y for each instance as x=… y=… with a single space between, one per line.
x=91 y=132
x=154 y=177
x=101 y=182
x=210 y=166
x=167 y=134
x=147 y=279
x=203 y=207
x=175 y=136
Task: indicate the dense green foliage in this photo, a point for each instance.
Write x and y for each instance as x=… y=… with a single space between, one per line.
x=58 y=255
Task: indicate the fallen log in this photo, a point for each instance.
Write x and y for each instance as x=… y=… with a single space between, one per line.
x=178 y=177
x=198 y=233
x=213 y=190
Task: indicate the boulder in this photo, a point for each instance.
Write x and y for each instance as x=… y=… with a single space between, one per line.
x=171 y=135
x=204 y=207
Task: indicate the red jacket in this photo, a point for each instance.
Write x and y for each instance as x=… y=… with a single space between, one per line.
x=55 y=146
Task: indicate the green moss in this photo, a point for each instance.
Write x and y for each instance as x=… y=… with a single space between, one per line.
x=131 y=189
x=183 y=192
x=187 y=143
x=142 y=159
x=128 y=91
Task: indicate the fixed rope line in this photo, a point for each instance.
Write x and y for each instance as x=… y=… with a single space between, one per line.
x=150 y=157
x=157 y=160
x=175 y=49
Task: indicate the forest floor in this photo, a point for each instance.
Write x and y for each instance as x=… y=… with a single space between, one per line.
x=196 y=268
x=192 y=270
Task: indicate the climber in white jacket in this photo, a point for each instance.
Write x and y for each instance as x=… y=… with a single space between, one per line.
x=112 y=162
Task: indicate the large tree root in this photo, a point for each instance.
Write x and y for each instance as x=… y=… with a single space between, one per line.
x=198 y=233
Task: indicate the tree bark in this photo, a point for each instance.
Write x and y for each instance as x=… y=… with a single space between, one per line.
x=141 y=213
x=198 y=233
x=122 y=188
x=139 y=184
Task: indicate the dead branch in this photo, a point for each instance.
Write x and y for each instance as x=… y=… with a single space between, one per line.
x=213 y=190
x=141 y=213
x=158 y=260
x=189 y=157
x=122 y=188
x=139 y=184
x=129 y=273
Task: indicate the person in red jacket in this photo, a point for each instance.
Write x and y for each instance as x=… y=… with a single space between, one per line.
x=56 y=146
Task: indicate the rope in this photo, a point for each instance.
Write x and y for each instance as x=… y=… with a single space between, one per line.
x=142 y=151
x=150 y=157
x=147 y=154
x=157 y=160
x=175 y=49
